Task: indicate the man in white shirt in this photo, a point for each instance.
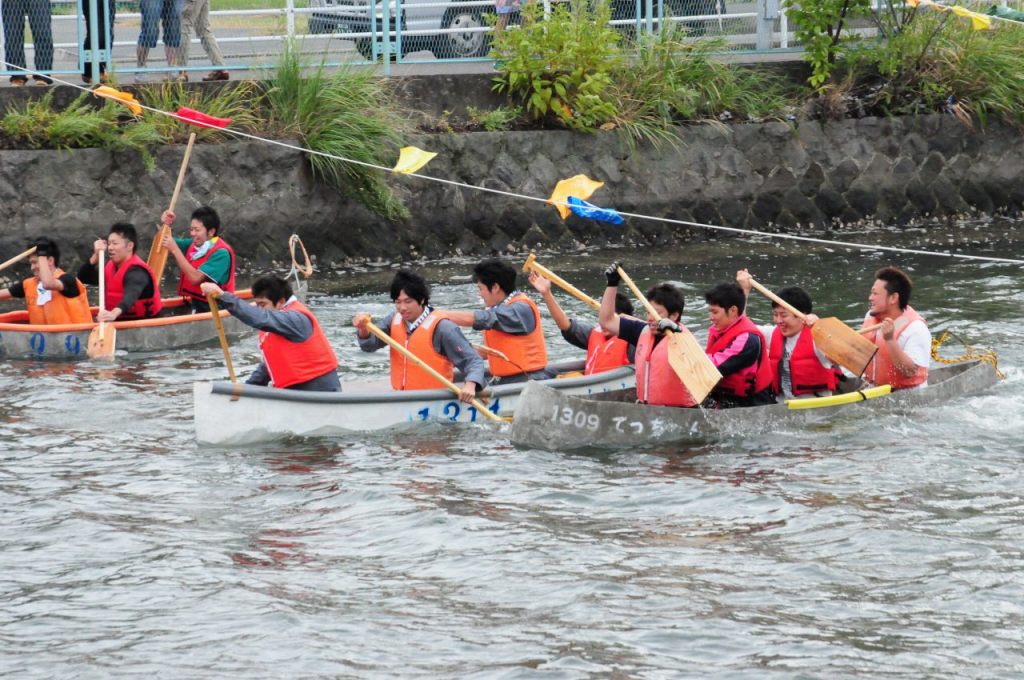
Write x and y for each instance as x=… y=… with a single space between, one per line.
x=903 y=339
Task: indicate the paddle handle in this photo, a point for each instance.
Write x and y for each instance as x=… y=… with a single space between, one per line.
x=398 y=347
x=777 y=300
x=157 y=253
x=531 y=264
x=215 y=311
x=639 y=296
x=17 y=258
x=103 y=289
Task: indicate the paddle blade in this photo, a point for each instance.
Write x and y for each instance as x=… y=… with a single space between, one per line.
x=694 y=368
x=843 y=345
x=102 y=341
x=158 y=254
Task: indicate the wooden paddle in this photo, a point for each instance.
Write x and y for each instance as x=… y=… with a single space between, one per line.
x=531 y=264
x=693 y=366
x=840 y=343
x=898 y=324
x=399 y=347
x=103 y=338
x=157 y=253
x=17 y=258
x=490 y=351
x=236 y=391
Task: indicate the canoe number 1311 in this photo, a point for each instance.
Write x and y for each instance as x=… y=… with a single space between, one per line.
x=453 y=409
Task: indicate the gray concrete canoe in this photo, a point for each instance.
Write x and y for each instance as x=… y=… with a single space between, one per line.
x=267 y=413
x=555 y=421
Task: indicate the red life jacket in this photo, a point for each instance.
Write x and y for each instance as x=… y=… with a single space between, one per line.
x=143 y=308
x=290 y=363
x=191 y=290
x=604 y=353
x=526 y=353
x=749 y=380
x=805 y=370
x=656 y=382
x=60 y=309
x=406 y=374
x=880 y=370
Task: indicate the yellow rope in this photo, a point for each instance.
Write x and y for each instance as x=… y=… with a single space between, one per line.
x=988 y=355
x=307 y=269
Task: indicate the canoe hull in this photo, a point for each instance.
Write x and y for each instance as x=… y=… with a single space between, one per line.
x=265 y=413
x=552 y=421
x=21 y=340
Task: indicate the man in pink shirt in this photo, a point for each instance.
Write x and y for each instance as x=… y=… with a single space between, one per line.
x=738 y=349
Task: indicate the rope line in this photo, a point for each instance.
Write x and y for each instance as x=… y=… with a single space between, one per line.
x=537 y=199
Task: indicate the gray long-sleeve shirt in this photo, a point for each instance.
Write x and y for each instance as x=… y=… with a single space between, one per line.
x=514 y=319
x=292 y=325
x=447 y=340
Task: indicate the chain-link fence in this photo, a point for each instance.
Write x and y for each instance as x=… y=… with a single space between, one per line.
x=159 y=39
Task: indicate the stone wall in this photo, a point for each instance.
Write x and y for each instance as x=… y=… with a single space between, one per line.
x=760 y=176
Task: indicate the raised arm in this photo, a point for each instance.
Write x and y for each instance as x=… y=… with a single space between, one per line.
x=606 y=315
x=543 y=286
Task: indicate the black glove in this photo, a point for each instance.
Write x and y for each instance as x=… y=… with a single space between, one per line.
x=611 y=275
x=42 y=247
x=669 y=325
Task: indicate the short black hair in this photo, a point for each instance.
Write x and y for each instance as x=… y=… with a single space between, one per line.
x=414 y=285
x=47 y=247
x=726 y=295
x=622 y=304
x=208 y=216
x=127 y=232
x=272 y=287
x=496 y=271
x=796 y=297
x=896 y=281
x=668 y=296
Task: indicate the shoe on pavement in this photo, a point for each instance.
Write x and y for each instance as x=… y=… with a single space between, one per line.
x=217 y=75
x=18 y=81
x=41 y=80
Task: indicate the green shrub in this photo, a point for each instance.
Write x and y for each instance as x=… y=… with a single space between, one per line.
x=560 y=67
x=818 y=26
x=346 y=113
x=499 y=119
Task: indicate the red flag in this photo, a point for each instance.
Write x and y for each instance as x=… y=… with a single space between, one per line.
x=201 y=119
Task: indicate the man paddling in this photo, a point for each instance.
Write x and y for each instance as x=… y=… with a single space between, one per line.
x=51 y=295
x=903 y=339
x=206 y=256
x=605 y=352
x=428 y=334
x=738 y=349
x=131 y=289
x=799 y=369
x=296 y=353
x=510 y=324
x=657 y=383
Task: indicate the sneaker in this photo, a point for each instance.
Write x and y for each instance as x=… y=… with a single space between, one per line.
x=217 y=75
x=41 y=80
x=18 y=81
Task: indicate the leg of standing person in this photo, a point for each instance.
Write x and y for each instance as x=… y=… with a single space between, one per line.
x=187 y=23
x=170 y=17
x=149 y=32
x=105 y=16
x=13 y=12
x=42 y=38
x=209 y=40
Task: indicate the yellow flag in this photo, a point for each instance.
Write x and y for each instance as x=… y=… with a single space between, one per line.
x=412 y=159
x=979 y=22
x=126 y=98
x=579 y=186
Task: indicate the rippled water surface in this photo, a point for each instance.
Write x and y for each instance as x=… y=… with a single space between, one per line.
x=883 y=547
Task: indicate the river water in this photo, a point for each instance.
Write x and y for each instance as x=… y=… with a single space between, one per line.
x=889 y=547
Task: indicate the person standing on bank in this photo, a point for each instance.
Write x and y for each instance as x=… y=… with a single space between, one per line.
x=207 y=257
x=605 y=352
x=296 y=353
x=510 y=324
x=51 y=296
x=132 y=291
x=428 y=334
x=903 y=339
x=196 y=15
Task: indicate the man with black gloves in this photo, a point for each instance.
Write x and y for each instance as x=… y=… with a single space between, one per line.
x=656 y=382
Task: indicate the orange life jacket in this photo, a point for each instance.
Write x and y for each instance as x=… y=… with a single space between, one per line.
x=880 y=370
x=290 y=363
x=805 y=370
x=604 y=353
x=656 y=382
x=406 y=374
x=143 y=308
x=749 y=380
x=191 y=290
x=526 y=353
x=60 y=308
